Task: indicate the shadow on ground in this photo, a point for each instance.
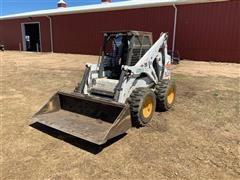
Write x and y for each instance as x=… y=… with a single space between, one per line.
x=75 y=141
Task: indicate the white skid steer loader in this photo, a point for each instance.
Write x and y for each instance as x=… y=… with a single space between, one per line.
x=130 y=81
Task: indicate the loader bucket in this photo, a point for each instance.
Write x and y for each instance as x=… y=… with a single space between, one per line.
x=85 y=117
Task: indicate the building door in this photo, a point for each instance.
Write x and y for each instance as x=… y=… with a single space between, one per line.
x=31 y=37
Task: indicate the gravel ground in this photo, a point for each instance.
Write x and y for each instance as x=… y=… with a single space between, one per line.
x=198 y=139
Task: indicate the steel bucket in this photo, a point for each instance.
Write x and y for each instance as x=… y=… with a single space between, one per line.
x=91 y=119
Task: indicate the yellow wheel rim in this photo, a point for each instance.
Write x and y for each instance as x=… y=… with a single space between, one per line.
x=170 y=95
x=147 y=107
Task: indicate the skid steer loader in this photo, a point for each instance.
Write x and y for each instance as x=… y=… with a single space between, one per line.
x=130 y=81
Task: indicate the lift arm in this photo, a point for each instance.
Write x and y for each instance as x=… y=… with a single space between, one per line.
x=158 y=52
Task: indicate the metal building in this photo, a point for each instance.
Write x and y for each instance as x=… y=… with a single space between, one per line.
x=198 y=29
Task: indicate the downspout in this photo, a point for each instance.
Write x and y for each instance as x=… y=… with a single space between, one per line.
x=51 y=33
x=174 y=29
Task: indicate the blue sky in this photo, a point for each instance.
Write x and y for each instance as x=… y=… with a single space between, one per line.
x=18 y=6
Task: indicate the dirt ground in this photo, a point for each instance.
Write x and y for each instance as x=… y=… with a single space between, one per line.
x=198 y=139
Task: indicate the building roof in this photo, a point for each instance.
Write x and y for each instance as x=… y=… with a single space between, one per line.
x=132 y=4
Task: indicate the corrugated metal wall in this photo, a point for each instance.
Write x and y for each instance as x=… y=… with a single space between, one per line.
x=11 y=33
x=209 y=31
x=83 y=32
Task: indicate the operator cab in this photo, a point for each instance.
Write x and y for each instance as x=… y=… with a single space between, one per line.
x=122 y=48
x=119 y=48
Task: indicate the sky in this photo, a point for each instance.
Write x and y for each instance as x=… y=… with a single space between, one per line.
x=17 y=6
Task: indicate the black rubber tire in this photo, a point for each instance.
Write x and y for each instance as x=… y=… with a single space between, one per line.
x=162 y=89
x=136 y=102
